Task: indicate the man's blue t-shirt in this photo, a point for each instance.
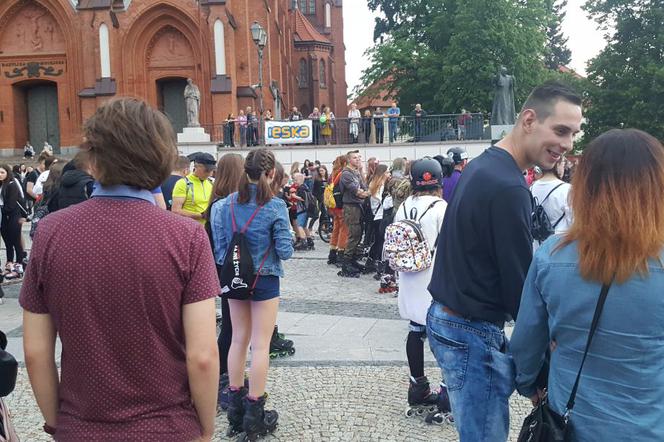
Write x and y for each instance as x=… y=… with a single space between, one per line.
x=393 y=113
x=167 y=189
x=449 y=183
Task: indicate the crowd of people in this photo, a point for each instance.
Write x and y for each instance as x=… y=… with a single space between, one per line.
x=244 y=129
x=452 y=238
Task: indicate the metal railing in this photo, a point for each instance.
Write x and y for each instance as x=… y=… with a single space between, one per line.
x=373 y=130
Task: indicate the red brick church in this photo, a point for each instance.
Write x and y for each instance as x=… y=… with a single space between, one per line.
x=61 y=59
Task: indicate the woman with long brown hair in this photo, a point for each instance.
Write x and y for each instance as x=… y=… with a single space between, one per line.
x=268 y=239
x=227 y=180
x=339 y=236
x=615 y=243
x=377 y=190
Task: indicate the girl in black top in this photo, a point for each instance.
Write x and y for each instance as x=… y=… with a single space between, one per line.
x=10 y=229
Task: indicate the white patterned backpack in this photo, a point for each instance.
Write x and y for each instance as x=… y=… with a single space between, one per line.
x=406 y=249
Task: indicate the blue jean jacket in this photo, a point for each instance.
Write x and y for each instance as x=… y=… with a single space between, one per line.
x=622 y=382
x=269 y=229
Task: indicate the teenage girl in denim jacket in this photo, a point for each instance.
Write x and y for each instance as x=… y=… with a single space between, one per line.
x=269 y=241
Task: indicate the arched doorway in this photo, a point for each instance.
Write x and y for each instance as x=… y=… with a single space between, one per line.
x=37 y=102
x=170 y=99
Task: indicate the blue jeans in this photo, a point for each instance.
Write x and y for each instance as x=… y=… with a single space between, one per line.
x=392 y=126
x=478 y=370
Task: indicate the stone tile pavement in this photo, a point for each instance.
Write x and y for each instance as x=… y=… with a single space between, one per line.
x=347 y=381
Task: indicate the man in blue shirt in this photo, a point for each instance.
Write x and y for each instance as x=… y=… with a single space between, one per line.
x=485 y=248
x=393 y=113
x=460 y=158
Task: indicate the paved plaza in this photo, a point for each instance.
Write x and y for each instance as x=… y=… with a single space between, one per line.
x=347 y=381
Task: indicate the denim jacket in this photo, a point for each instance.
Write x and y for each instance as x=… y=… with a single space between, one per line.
x=269 y=229
x=622 y=382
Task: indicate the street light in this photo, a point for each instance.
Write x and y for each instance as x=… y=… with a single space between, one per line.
x=259 y=36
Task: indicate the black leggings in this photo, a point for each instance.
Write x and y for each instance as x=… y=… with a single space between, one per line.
x=376 y=252
x=415 y=349
x=11 y=235
x=225 y=337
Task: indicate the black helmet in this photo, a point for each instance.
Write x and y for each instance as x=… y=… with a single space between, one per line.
x=426 y=174
x=457 y=154
x=447 y=164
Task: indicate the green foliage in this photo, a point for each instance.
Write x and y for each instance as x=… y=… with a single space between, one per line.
x=627 y=77
x=444 y=54
x=557 y=52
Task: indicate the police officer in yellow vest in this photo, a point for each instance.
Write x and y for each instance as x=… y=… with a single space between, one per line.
x=191 y=194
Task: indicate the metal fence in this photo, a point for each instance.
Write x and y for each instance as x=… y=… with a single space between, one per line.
x=372 y=130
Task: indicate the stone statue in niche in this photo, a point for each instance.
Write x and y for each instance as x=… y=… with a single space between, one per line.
x=20 y=35
x=30 y=29
x=192 y=100
x=49 y=30
x=171 y=43
x=37 y=42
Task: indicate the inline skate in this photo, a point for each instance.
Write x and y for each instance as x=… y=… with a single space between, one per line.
x=388 y=284
x=279 y=346
x=421 y=400
x=443 y=415
x=257 y=422
x=236 y=411
x=349 y=270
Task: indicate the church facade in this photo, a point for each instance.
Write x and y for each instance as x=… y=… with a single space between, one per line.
x=61 y=59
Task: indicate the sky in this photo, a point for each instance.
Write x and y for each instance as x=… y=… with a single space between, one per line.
x=585 y=41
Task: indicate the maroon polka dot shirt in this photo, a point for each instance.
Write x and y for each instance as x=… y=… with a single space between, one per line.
x=114 y=275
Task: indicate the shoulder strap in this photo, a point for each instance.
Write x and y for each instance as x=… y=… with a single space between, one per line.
x=251 y=218
x=559 y=219
x=549 y=194
x=429 y=208
x=598 y=312
x=188 y=185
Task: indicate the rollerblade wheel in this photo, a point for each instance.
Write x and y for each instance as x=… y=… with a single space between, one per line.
x=291 y=351
x=410 y=412
x=273 y=355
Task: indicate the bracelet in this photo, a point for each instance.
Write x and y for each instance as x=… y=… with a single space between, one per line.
x=49 y=430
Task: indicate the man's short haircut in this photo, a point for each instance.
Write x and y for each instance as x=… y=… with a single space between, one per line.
x=130 y=143
x=351 y=152
x=545 y=97
x=182 y=163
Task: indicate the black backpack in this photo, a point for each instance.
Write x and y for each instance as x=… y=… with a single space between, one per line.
x=542 y=227
x=236 y=274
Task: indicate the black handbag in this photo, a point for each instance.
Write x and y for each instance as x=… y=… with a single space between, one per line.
x=545 y=425
x=8 y=368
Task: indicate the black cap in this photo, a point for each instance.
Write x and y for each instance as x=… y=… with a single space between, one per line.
x=202 y=158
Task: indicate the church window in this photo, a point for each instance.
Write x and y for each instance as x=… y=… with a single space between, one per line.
x=322 y=74
x=303 y=76
x=328 y=15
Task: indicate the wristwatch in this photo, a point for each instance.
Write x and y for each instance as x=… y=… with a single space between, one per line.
x=49 y=430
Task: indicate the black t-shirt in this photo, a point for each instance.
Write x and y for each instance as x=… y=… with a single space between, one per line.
x=167 y=189
x=485 y=242
x=30 y=177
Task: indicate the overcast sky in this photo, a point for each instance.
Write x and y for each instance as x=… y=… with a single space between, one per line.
x=585 y=41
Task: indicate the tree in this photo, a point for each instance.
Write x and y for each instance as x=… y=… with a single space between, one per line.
x=444 y=54
x=627 y=77
x=557 y=51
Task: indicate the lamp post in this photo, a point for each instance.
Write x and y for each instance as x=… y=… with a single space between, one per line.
x=259 y=36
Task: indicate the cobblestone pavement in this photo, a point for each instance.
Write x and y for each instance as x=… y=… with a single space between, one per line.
x=336 y=398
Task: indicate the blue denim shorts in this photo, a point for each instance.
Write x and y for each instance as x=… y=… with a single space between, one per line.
x=302 y=219
x=267 y=287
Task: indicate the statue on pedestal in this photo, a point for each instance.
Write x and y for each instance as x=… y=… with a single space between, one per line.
x=192 y=99
x=503 y=112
